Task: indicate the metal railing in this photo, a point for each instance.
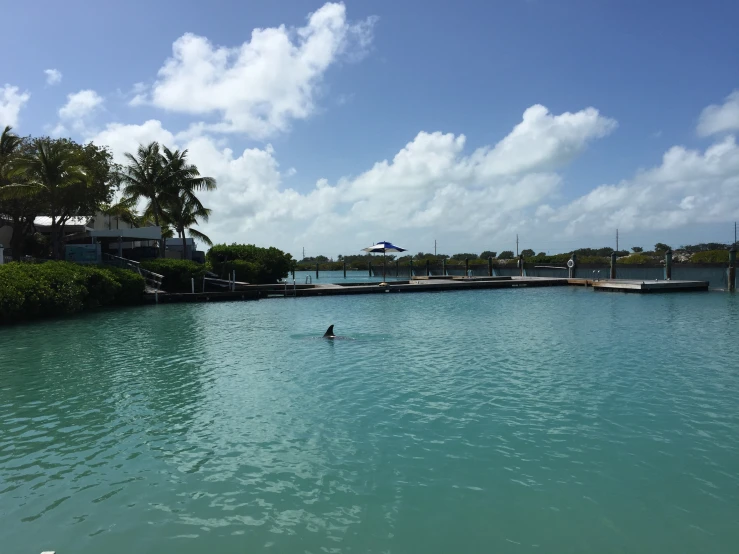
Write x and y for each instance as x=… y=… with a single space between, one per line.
x=153 y=280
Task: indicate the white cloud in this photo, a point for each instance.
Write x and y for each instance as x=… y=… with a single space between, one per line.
x=434 y=187
x=259 y=87
x=429 y=184
x=53 y=76
x=78 y=110
x=11 y=102
x=126 y=138
x=720 y=118
x=689 y=187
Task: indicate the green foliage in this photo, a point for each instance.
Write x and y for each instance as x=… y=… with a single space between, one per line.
x=132 y=288
x=528 y=253
x=710 y=256
x=661 y=247
x=506 y=255
x=488 y=254
x=705 y=247
x=30 y=291
x=636 y=259
x=252 y=264
x=178 y=274
x=637 y=249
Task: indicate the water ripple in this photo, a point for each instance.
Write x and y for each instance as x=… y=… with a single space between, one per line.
x=526 y=421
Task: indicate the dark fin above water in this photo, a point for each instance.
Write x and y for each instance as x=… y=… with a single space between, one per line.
x=329 y=332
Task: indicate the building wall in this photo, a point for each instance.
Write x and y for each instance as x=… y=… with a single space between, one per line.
x=6 y=233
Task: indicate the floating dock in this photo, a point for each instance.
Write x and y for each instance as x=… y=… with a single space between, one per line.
x=617 y=285
x=423 y=284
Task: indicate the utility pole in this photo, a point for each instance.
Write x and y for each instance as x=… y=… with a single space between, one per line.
x=735 y=232
x=434 y=247
x=616 y=240
x=303 y=252
x=516 y=245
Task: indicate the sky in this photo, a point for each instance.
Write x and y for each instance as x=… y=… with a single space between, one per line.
x=332 y=126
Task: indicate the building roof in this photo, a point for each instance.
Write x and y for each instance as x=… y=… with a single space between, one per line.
x=45 y=221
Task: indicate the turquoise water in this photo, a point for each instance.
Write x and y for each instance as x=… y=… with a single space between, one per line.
x=544 y=420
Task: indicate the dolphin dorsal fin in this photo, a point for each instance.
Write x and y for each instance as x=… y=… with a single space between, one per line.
x=329 y=332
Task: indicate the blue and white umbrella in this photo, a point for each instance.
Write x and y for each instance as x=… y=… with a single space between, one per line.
x=383 y=247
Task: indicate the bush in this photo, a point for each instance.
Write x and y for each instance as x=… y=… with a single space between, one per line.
x=711 y=256
x=252 y=264
x=177 y=273
x=636 y=259
x=132 y=288
x=29 y=291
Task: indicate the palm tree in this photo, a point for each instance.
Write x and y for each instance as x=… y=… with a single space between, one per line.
x=147 y=177
x=183 y=208
x=50 y=169
x=183 y=214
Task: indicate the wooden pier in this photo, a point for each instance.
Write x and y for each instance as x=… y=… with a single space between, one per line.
x=176 y=297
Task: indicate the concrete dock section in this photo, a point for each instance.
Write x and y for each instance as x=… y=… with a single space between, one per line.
x=426 y=284
x=660 y=285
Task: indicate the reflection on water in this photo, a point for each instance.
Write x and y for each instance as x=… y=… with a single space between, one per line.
x=556 y=420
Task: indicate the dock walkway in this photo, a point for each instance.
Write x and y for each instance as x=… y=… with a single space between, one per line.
x=424 y=284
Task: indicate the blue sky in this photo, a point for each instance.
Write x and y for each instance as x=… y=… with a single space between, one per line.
x=295 y=124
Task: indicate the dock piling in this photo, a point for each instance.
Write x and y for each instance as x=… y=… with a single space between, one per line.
x=316 y=270
x=369 y=266
x=668 y=265
x=344 y=265
x=397 y=268
x=732 y=269
x=490 y=266
x=466 y=267
x=520 y=265
x=572 y=265
x=428 y=268
x=193 y=284
x=410 y=270
x=443 y=266
x=613 y=265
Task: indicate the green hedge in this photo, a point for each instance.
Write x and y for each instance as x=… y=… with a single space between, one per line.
x=637 y=259
x=710 y=256
x=177 y=273
x=29 y=291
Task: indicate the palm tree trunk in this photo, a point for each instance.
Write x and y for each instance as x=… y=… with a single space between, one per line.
x=54 y=245
x=184 y=245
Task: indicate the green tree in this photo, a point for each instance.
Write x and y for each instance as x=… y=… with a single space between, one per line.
x=506 y=255
x=488 y=254
x=661 y=248
x=528 y=253
x=637 y=249
x=54 y=171
x=146 y=177
x=181 y=207
x=19 y=209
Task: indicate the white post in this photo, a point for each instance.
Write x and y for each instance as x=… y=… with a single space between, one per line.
x=193 y=285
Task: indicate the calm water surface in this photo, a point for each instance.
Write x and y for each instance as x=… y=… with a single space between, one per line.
x=544 y=420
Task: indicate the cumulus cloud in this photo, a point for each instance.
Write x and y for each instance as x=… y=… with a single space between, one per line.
x=432 y=183
x=53 y=76
x=126 y=138
x=11 y=102
x=688 y=187
x=720 y=118
x=259 y=87
x=78 y=111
